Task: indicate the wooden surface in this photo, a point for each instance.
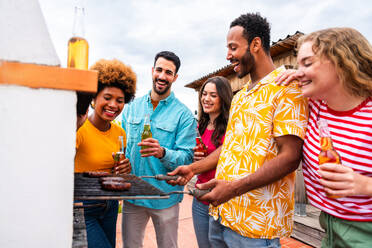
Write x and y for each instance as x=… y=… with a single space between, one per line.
x=307 y=228
x=51 y=77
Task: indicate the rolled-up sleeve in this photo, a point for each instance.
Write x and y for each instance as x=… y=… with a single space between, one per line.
x=181 y=153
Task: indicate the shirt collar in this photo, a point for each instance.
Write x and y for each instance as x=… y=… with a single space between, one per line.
x=269 y=78
x=166 y=100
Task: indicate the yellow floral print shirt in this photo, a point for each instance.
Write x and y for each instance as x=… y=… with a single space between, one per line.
x=256 y=118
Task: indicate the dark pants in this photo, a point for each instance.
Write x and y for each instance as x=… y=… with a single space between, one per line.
x=100 y=223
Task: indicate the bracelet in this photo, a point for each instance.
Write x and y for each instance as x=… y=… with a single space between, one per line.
x=164 y=152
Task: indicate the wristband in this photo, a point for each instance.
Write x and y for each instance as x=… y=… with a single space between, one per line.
x=163 y=153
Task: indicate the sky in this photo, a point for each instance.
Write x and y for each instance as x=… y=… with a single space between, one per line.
x=134 y=31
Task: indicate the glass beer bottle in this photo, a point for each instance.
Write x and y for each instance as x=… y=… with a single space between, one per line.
x=78 y=48
x=327 y=154
x=146 y=133
x=120 y=154
x=200 y=146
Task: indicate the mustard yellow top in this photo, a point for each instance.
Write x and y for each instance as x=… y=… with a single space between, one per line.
x=256 y=118
x=94 y=148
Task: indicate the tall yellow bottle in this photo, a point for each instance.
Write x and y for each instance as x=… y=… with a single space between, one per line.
x=78 y=48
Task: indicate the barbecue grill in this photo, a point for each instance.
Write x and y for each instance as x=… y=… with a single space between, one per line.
x=89 y=188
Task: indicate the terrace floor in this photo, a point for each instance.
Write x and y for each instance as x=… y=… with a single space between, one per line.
x=186 y=237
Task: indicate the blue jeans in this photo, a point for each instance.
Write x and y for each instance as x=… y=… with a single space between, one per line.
x=200 y=218
x=223 y=237
x=100 y=223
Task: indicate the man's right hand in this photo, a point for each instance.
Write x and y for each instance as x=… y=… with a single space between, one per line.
x=185 y=174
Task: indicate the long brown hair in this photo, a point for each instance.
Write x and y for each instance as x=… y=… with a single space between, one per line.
x=351 y=54
x=225 y=94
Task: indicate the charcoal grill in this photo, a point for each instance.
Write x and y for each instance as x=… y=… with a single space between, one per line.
x=88 y=188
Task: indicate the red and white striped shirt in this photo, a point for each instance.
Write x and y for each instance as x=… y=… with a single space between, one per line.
x=351 y=133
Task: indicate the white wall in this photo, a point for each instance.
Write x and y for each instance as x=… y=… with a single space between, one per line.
x=37 y=139
x=37 y=147
x=24 y=36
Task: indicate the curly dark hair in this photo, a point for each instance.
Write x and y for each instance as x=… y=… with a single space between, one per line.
x=225 y=94
x=114 y=73
x=169 y=56
x=254 y=26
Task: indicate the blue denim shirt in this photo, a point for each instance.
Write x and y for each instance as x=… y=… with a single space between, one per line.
x=174 y=126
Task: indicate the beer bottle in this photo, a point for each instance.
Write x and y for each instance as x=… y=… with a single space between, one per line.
x=200 y=146
x=327 y=154
x=120 y=154
x=78 y=48
x=146 y=133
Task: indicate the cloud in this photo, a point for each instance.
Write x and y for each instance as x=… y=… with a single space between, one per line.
x=134 y=31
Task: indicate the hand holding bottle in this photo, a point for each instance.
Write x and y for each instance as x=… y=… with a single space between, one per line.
x=340 y=181
x=151 y=147
x=327 y=154
x=199 y=153
x=122 y=164
x=200 y=150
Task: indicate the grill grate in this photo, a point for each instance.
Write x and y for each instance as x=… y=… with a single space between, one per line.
x=88 y=188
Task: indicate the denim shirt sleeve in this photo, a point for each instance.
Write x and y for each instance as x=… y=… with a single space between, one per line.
x=174 y=126
x=124 y=126
x=181 y=153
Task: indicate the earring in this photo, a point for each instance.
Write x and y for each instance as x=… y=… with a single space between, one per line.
x=92 y=105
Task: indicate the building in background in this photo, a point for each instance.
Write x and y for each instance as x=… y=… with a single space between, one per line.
x=283 y=53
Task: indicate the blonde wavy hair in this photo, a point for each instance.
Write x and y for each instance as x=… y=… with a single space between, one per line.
x=351 y=54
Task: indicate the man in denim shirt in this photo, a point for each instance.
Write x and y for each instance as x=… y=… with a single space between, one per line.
x=173 y=137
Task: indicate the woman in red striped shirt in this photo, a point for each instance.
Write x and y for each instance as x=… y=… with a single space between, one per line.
x=335 y=72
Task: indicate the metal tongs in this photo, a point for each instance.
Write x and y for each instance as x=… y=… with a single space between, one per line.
x=162 y=177
x=194 y=192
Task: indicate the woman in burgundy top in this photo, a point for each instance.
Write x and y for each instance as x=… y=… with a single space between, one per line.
x=215 y=98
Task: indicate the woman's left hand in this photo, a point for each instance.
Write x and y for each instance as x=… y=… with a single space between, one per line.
x=122 y=167
x=339 y=180
x=198 y=155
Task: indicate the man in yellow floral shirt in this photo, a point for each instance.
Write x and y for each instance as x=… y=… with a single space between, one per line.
x=253 y=193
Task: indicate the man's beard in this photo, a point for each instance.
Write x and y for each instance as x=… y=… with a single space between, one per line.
x=163 y=91
x=247 y=62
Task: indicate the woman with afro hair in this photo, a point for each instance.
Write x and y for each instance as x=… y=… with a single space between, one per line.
x=98 y=138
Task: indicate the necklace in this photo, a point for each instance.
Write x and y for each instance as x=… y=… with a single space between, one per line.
x=211 y=125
